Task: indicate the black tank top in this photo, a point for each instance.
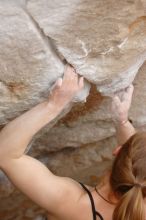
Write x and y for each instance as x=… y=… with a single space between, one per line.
x=94 y=212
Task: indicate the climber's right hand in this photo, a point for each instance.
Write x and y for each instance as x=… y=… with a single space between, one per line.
x=65 y=89
x=121 y=104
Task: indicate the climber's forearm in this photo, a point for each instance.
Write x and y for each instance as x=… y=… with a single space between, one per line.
x=15 y=136
x=124 y=132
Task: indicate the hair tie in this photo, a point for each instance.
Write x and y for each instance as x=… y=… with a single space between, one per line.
x=138 y=185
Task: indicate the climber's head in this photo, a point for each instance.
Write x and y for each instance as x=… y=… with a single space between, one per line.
x=128 y=178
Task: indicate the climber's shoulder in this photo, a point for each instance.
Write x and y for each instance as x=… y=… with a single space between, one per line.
x=49 y=191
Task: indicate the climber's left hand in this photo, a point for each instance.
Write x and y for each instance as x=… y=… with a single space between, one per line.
x=121 y=104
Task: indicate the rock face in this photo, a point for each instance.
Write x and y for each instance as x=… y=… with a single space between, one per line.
x=29 y=65
x=97 y=34
x=25 y=59
x=106 y=42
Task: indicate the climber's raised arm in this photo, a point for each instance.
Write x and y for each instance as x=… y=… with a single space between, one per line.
x=28 y=174
x=120 y=109
x=15 y=136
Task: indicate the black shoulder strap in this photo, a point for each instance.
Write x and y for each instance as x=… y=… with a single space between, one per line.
x=92 y=201
x=99 y=215
x=92 y=204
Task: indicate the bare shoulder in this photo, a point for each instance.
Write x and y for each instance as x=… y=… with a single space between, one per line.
x=75 y=203
x=37 y=182
x=73 y=189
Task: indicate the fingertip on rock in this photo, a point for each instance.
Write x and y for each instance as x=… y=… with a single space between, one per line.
x=81 y=82
x=59 y=82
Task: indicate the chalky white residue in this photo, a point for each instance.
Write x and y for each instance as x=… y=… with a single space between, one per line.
x=112 y=48
x=84 y=48
x=107 y=51
x=123 y=42
x=125 y=78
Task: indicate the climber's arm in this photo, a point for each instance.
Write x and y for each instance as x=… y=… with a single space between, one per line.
x=15 y=136
x=28 y=174
x=120 y=109
x=124 y=131
x=36 y=181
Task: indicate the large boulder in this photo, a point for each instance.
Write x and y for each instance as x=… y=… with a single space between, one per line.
x=106 y=42
x=29 y=65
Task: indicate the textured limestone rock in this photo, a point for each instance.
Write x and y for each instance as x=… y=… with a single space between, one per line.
x=138 y=109
x=29 y=66
x=25 y=62
x=104 y=40
x=15 y=2
x=6 y=187
x=75 y=134
x=87 y=163
x=93 y=122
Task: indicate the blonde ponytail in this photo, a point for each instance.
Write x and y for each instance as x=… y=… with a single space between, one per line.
x=128 y=179
x=130 y=206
